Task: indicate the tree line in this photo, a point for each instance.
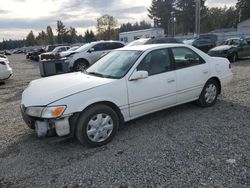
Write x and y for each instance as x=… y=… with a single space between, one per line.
x=181 y=15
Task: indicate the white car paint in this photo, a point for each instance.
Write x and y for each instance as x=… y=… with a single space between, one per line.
x=5 y=69
x=69 y=51
x=134 y=98
x=87 y=55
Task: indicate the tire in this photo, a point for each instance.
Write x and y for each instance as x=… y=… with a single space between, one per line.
x=209 y=94
x=95 y=123
x=234 y=58
x=80 y=65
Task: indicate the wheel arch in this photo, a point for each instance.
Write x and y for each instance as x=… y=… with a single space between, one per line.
x=74 y=118
x=218 y=82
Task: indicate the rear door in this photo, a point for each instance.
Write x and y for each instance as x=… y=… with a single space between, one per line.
x=192 y=72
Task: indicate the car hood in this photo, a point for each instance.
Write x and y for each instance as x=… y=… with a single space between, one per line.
x=221 y=48
x=44 y=91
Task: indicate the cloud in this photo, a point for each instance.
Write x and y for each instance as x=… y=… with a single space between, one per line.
x=22 y=15
x=221 y=3
x=3 y=11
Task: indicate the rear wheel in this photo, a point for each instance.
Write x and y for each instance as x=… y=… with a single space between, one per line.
x=209 y=94
x=80 y=65
x=97 y=126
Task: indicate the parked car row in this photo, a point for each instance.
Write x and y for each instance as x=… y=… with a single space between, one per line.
x=50 y=51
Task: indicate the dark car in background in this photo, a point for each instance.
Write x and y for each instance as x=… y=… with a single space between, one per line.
x=203 y=44
x=162 y=40
x=232 y=49
x=34 y=54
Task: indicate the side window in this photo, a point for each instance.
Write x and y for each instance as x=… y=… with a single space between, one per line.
x=118 y=45
x=156 y=62
x=185 y=57
x=99 y=47
x=60 y=49
x=110 y=46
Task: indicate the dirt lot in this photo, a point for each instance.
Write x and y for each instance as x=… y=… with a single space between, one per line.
x=185 y=146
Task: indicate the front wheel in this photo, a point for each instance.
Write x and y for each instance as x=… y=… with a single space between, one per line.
x=97 y=126
x=234 y=58
x=209 y=94
x=80 y=66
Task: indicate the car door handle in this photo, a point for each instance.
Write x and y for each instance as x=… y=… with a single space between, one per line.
x=171 y=80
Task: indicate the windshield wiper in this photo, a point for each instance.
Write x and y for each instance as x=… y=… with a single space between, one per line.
x=100 y=75
x=95 y=74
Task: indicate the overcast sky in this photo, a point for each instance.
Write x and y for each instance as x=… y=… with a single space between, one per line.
x=18 y=17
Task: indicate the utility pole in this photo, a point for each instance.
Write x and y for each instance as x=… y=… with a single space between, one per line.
x=197 y=17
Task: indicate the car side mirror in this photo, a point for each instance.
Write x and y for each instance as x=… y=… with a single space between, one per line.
x=139 y=75
x=91 y=50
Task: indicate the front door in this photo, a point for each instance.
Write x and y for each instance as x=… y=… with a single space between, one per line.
x=158 y=90
x=98 y=51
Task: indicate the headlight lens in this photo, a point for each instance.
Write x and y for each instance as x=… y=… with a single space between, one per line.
x=34 y=111
x=46 y=112
x=53 y=112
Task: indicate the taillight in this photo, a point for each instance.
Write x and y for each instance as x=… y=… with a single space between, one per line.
x=2 y=63
x=230 y=66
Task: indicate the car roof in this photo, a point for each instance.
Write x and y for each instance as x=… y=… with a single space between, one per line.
x=105 y=41
x=152 y=46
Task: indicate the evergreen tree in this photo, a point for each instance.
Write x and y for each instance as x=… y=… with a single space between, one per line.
x=61 y=32
x=30 y=39
x=50 y=35
x=243 y=7
x=185 y=15
x=89 y=36
x=160 y=11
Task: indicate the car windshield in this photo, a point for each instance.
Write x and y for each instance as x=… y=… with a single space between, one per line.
x=115 y=64
x=56 y=49
x=83 y=48
x=73 y=49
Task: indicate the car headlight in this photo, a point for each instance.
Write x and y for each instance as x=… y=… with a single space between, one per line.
x=53 y=112
x=46 y=112
x=34 y=111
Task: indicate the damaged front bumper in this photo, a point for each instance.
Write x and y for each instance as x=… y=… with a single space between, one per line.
x=48 y=127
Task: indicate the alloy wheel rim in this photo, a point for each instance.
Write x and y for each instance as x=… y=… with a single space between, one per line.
x=210 y=94
x=100 y=127
x=81 y=66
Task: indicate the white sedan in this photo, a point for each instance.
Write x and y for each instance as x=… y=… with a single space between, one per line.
x=123 y=85
x=5 y=69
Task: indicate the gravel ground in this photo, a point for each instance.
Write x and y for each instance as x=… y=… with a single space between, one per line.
x=184 y=146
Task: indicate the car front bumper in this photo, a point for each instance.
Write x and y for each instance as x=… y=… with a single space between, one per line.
x=47 y=127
